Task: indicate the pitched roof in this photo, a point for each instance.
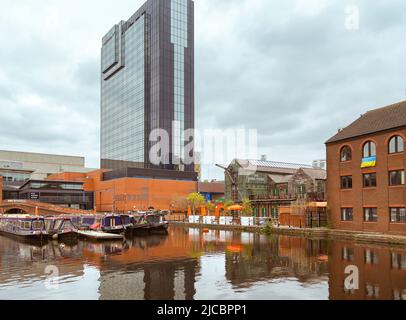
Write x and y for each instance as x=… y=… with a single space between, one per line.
x=278 y=178
x=385 y=118
x=271 y=166
x=317 y=174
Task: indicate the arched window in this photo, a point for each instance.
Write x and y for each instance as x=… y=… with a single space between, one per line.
x=396 y=144
x=346 y=154
x=369 y=149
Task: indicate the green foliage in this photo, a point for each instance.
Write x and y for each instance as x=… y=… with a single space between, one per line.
x=268 y=228
x=195 y=200
x=247 y=207
x=210 y=207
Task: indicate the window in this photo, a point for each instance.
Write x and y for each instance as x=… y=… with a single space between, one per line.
x=37 y=225
x=348 y=254
x=369 y=180
x=398 y=261
x=370 y=214
x=346 y=182
x=346 y=154
x=396 y=144
x=372 y=291
x=397 y=177
x=346 y=214
x=399 y=294
x=301 y=189
x=369 y=149
x=397 y=215
x=371 y=257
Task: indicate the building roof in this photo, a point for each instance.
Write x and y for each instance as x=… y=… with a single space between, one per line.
x=316 y=174
x=278 y=178
x=381 y=119
x=271 y=166
x=211 y=187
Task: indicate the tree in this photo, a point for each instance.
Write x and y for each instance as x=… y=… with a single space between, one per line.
x=210 y=207
x=195 y=200
x=247 y=207
x=179 y=203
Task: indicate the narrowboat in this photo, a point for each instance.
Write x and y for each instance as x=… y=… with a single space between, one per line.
x=60 y=228
x=157 y=223
x=138 y=223
x=114 y=223
x=23 y=226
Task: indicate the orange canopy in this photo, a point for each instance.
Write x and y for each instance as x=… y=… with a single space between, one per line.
x=235 y=208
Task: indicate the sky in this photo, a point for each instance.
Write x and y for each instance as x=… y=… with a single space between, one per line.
x=294 y=70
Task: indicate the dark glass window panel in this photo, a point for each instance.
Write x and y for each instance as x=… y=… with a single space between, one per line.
x=369 y=149
x=370 y=214
x=346 y=154
x=396 y=144
x=369 y=180
x=397 y=177
x=347 y=214
x=346 y=182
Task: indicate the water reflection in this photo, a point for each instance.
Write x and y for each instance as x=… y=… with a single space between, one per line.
x=191 y=264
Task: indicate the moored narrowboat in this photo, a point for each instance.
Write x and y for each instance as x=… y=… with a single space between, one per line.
x=23 y=226
x=157 y=223
x=60 y=228
x=114 y=223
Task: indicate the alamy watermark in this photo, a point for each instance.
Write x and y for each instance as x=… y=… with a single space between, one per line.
x=220 y=146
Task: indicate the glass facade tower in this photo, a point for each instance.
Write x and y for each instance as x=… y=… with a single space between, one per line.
x=147 y=83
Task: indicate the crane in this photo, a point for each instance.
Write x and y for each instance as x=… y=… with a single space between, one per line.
x=234 y=183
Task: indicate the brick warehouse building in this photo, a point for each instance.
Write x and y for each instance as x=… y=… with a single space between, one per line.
x=366 y=165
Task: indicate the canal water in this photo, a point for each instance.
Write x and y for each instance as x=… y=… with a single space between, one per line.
x=191 y=264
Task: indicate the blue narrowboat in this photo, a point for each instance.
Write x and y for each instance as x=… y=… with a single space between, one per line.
x=23 y=226
x=115 y=223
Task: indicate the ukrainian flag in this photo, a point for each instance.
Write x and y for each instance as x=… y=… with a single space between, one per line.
x=368 y=162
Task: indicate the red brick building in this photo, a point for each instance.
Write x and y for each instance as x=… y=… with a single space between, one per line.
x=366 y=164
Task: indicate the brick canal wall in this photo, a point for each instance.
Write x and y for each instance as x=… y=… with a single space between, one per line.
x=316 y=233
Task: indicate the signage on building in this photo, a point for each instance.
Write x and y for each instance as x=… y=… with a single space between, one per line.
x=34 y=195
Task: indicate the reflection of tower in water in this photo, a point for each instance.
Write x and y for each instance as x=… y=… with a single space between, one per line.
x=164 y=280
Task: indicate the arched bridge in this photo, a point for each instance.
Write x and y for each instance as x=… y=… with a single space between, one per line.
x=36 y=208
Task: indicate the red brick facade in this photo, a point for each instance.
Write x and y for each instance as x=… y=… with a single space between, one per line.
x=383 y=196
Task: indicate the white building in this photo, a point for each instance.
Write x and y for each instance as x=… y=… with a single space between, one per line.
x=20 y=166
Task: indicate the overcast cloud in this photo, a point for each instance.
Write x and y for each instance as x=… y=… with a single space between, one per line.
x=289 y=68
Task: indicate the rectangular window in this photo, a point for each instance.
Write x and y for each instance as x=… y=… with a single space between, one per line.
x=371 y=257
x=346 y=214
x=372 y=291
x=346 y=182
x=398 y=261
x=369 y=180
x=398 y=215
x=399 y=294
x=370 y=214
x=348 y=254
x=397 y=177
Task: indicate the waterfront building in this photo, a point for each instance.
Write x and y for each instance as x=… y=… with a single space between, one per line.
x=131 y=189
x=366 y=164
x=18 y=166
x=147 y=83
x=21 y=170
x=277 y=189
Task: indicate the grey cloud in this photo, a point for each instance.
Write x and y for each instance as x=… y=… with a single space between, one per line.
x=294 y=75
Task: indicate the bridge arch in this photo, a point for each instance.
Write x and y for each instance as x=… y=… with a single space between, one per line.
x=15 y=210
